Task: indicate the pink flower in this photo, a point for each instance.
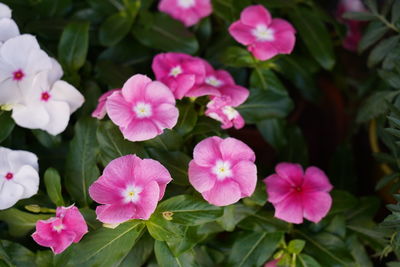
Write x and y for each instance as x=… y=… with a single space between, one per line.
x=142 y=108
x=295 y=194
x=272 y=263
x=218 y=109
x=180 y=72
x=100 y=111
x=354 y=28
x=223 y=170
x=129 y=188
x=59 y=232
x=189 y=12
x=264 y=37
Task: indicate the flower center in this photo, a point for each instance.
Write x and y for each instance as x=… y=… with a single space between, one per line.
x=9 y=176
x=45 y=96
x=186 y=3
x=18 y=75
x=263 y=33
x=131 y=194
x=298 y=188
x=142 y=110
x=230 y=112
x=175 y=71
x=211 y=80
x=58 y=228
x=222 y=169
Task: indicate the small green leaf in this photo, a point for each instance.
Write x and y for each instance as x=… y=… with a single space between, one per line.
x=382 y=49
x=169 y=140
x=234 y=56
x=73 y=46
x=296 y=246
x=360 y=16
x=7 y=125
x=187 y=118
x=375 y=31
x=52 y=181
x=304 y=260
x=165 y=258
x=375 y=105
x=140 y=252
x=20 y=222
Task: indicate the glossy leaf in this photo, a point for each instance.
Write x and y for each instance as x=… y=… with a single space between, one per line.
x=52 y=181
x=7 y=125
x=165 y=258
x=20 y=222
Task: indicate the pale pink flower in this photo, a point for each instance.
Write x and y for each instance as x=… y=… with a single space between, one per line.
x=129 y=188
x=61 y=231
x=296 y=194
x=272 y=263
x=189 y=12
x=264 y=37
x=100 y=111
x=223 y=170
x=219 y=110
x=180 y=72
x=142 y=108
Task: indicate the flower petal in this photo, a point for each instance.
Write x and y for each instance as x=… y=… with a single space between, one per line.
x=30 y=116
x=200 y=177
x=290 y=209
x=157 y=93
x=140 y=130
x=113 y=214
x=165 y=116
x=316 y=180
x=263 y=50
x=28 y=178
x=254 y=15
x=242 y=33
x=152 y=170
x=235 y=150
x=134 y=88
x=293 y=173
x=207 y=151
x=10 y=193
x=277 y=188
x=148 y=200
x=63 y=91
x=316 y=205
x=119 y=110
x=59 y=113
x=245 y=174
x=223 y=193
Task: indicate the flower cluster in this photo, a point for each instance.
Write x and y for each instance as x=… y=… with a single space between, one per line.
x=30 y=82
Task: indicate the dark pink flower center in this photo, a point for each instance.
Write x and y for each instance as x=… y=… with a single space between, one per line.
x=18 y=75
x=298 y=188
x=9 y=176
x=45 y=96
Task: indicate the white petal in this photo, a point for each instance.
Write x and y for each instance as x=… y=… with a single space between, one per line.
x=4 y=165
x=9 y=92
x=19 y=158
x=6 y=69
x=10 y=193
x=30 y=116
x=59 y=117
x=56 y=71
x=8 y=29
x=28 y=178
x=16 y=50
x=63 y=91
x=37 y=61
x=5 y=11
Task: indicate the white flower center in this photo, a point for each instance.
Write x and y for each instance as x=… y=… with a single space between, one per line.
x=131 y=194
x=186 y=3
x=142 y=110
x=211 y=80
x=222 y=169
x=58 y=228
x=263 y=33
x=230 y=112
x=175 y=71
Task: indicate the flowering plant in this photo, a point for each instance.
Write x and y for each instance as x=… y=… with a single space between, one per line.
x=198 y=133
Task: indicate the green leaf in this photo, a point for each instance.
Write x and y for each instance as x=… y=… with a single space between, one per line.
x=52 y=181
x=304 y=260
x=190 y=239
x=7 y=125
x=169 y=140
x=113 y=145
x=73 y=46
x=234 y=56
x=314 y=34
x=375 y=31
x=395 y=12
x=162 y=229
x=188 y=210
x=140 y=252
x=342 y=202
x=176 y=162
x=165 y=258
x=81 y=169
x=360 y=16
x=187 y=118
x=159 y=31
x=117 y=26
x=20 y=255
x=46 y=139
x=382 y=49
x=20 y=222
x=107 y=247
x=358 y=251
x=375 y=105
x=254 y=249
x=296 y=246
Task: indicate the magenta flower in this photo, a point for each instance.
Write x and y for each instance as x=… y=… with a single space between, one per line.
x=100 y=111
x=223 y=170
x=264 y=37
x=142 y=108
x=272 y=263
x=189 y=12
x=129 y=188
x=180 y=72
x=218 y=109
x=295 y=194
x=61 y=231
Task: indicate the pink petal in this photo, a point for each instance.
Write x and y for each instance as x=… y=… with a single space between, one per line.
x=223 y=193
x=238 y=122
x=293 y=173
x=64 y=241
x=120 y=171
x=156 y=93
x=254 y=15
x=133 y=89
x=245 y=174
x=117 y=213
x=147 y=203
x=236 y=93
x=316 y=180
x=165 y=116
x=290 y=209
x=140 y=130
x=277 y=188
x=105 y=192
x=241 y=33
x=200 y=177
x=160 y=66
x=100 y=111
x=207 y=151
x=316 y=205
x=152 y=170
x=119 y=110
x=235 y=150
x=202 y=90
x=182 y=84
x=281 y=25
x=284 y=42
x=263 y=50
x=73 y=221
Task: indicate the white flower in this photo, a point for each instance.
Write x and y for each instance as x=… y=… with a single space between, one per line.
x=19 y=177
x=20 y=60
x=8 y=27
x=47 y=107
x=5 y=11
